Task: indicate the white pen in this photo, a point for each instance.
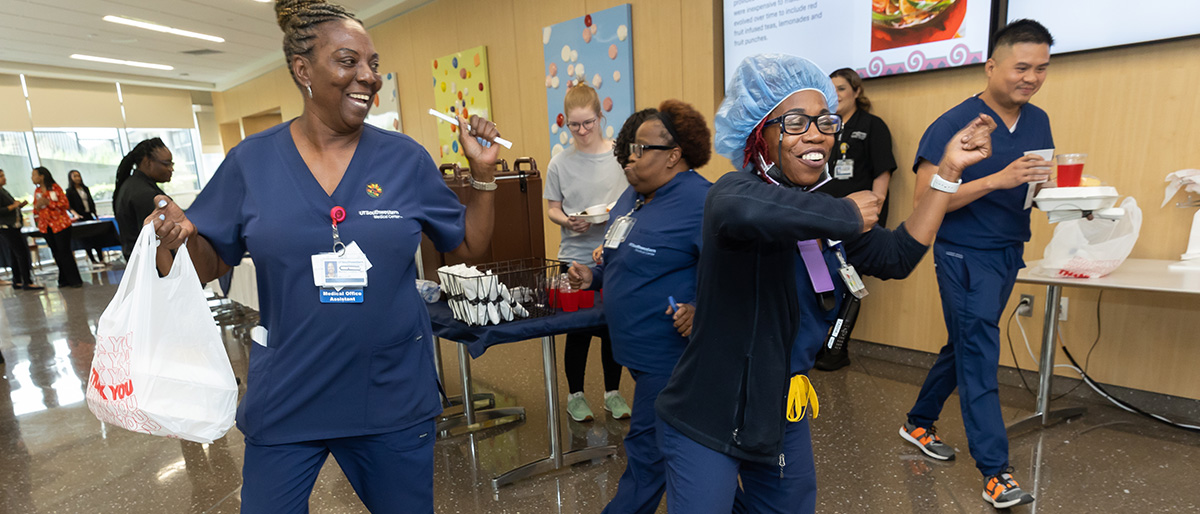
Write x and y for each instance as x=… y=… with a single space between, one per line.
x=503 y=142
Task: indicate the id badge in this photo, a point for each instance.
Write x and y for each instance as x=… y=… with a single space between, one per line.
x=347 y=295
x=853 y=282
x=618 y=231
x=334 y=271
x=843 y=169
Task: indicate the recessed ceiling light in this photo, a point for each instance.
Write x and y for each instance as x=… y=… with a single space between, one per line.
x=122 y=62
x=263 y=1
x=161 y=28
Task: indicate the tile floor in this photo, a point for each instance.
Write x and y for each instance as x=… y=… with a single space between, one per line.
x=55 y=457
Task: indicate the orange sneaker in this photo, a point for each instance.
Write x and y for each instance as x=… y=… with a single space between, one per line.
x=1002 y=491
x=927 y=440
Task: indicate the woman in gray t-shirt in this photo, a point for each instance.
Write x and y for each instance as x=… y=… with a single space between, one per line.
x=585 y=175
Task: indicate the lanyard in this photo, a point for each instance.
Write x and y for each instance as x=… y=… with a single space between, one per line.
x=337 y=214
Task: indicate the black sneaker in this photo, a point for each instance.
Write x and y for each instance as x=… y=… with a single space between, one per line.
x=927 y=440
x=1003 y=492
x=831 y=360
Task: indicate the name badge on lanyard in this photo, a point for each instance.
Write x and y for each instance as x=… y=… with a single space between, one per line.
x=341 y=274
x=854 y=282
x=843 y=169
x=619 y=230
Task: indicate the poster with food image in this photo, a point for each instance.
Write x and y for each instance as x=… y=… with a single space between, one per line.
x=873 y=37
x=460 y=84
x=897 y=23
x=597 y=50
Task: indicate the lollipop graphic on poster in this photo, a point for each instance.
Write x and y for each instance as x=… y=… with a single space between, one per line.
x=596 y=49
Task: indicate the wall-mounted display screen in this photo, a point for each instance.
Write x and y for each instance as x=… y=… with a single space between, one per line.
x=876 y=37
x=1085 y=25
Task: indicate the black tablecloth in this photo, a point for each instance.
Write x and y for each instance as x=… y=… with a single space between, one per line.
x=479 y=339
x=101 y=233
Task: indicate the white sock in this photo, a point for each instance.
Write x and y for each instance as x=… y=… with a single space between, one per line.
x=610 y=394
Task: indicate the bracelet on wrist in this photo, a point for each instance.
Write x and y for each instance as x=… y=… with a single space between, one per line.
x=483 y=186
x=944 y=185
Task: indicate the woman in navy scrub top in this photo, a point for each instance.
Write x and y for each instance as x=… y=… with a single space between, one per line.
x=655 y=262
x=352 y=378
x=737 y=404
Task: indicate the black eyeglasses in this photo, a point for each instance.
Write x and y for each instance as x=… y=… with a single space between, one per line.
x=587 y=124
x=796 y=123
x=637 y=149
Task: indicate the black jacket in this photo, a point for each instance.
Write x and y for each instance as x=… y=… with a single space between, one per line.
x=729 y=390
x=77 y=203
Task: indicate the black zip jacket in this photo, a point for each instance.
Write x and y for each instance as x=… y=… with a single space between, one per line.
x=729 y=390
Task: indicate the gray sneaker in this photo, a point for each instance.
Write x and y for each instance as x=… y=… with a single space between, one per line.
x=1003 y=492
x=927 y=440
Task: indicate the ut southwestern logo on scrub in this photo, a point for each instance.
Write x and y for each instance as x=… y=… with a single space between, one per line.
x=382 y=215
x=643 y=250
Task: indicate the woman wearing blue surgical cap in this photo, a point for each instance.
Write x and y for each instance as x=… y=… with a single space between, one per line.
x=775 y=251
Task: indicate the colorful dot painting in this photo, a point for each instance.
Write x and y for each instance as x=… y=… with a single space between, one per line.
x=453 y=92
x=588 y=50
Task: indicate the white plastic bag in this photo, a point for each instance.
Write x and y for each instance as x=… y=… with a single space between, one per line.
x=1089 y=249
x=160 y=367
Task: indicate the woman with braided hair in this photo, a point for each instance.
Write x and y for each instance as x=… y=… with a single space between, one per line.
x=346 y=368
x=138 y=176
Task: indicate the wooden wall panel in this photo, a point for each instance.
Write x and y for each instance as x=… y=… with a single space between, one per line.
x=1132 y=110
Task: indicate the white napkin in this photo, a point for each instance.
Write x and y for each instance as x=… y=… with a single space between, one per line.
x=1175 y=180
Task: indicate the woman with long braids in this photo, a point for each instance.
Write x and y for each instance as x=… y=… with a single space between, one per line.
x=138 y=176
x=52 y=211
x=345 y=371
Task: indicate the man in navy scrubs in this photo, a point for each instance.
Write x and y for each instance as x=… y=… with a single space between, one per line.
x=979 y=250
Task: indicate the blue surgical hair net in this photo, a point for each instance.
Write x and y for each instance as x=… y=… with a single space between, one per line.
x=759 y=84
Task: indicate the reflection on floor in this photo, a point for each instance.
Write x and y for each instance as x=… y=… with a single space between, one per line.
x=56 y=457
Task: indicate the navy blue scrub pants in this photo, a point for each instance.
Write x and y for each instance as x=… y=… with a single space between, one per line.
x=974 y=286
x=702 y=481
x=391 y=472
x=645 y=478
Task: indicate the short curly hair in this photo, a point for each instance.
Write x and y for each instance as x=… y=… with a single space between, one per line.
x=628 y=133
x=689 y=130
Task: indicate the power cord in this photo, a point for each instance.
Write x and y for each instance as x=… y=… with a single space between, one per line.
x=1083 y=371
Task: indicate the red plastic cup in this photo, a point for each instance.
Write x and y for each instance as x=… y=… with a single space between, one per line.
x=1070 y=169
x=570 y=301
x=587 y=299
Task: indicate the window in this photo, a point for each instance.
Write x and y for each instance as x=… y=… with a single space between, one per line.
x=182 y=145
x=95 y=152
x=14 y=160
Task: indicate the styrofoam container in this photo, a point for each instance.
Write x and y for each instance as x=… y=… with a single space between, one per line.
x=1076 y=198
x=595 y=214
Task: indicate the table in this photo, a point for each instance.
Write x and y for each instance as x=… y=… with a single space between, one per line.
x=99 y=233
x=1134 y=275
x=477 y=340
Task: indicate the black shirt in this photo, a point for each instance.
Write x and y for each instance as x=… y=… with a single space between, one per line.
x=868 y=142
x=9 y=219
x=133 y=202
x=729 y=388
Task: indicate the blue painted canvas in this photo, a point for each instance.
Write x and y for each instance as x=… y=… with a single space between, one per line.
x=596 y=49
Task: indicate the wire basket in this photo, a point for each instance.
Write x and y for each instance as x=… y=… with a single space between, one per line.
x=498 y=292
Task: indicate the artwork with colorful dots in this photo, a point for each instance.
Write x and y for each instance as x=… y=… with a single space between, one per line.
x=460 y=84
x=385 y=111
x=596 y=49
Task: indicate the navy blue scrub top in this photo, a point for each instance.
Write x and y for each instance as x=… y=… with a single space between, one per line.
x=332 y=370
x=657 y=260
x=998 y=219
x=813 y=326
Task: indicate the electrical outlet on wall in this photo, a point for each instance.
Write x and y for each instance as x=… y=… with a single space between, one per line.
x=1025 y=306
x=1062 y=308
